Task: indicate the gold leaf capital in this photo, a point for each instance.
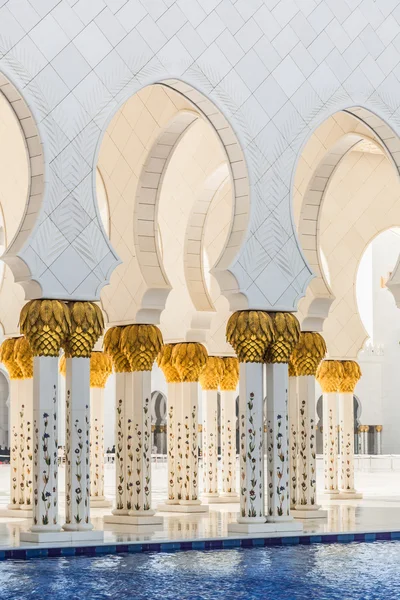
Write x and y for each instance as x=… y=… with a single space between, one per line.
x=164 y=361
x=329 y=375
x=212 y=373
x=287 y=335
x=350 y=377
x=230 y=378
x=46 y=324
x=112 y=346
x=87 y=325
x=141 y=345
x=189 y=358
x=7 y=357
x=250 y=333
x=308 y=353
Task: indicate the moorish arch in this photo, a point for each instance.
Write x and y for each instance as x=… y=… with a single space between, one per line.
x=352 y=129
x=134 y=160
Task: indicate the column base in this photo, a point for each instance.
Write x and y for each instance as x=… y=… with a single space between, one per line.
x=183 y=508
x=131 y=520
x=171 y=502
x=303 y=513
x=77 y=527
x=264 y=527
x=352 y=495
x=119 y=511
x=100 y=503
x=16 y=513
x=234 y=499
x=331 y=494
x=41 y=537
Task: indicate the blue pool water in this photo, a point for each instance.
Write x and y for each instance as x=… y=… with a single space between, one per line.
x=366 y=571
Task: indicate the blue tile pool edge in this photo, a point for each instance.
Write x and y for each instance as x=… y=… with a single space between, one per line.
x=133 y=547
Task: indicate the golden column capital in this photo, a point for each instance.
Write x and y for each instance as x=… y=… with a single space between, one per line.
x=212 y=373
x=87 y=325
x=287 y=335
x=112 y=347
x=230 y=377
x=7 y=357
x=189 y=358
x=46 y=324
x=164 y=361
x=100 y=369
x=308 y=353
x=250 y=333
x=141 y=345
x=379 y=428
x=351 y=374
x=24 y=357
x=329 y=374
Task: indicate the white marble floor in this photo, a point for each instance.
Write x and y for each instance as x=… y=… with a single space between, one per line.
x=379 y=510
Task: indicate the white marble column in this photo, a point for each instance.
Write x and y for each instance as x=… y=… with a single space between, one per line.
x=77 y=445
x=16 y=498
x=97 y=497
x=306 y=498
x=329 y=402
x=174 y=443
x=45 y=448
x=350 y=375
x=210 y=445
x=120 y=447
x=228 y=445
x=366 y=429
x=251 y=423
x=139 y=344
x=278 y=443
x=293 y=435
x=26 y=401
x=190 y=450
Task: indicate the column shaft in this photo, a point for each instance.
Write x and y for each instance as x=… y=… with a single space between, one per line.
x=189 y=444
x=251 y=443
x=77 y=447
x=45 y=444
x=228 y=442
x=138 y=444
x=97 y=445
x=174 y=452
x=278 y=442
x=120 y=449
x=293 y=425
x=26 y=402
x=330 y=442
x=15 y=455
x=346 y=418
x=210 y=443
x=306 y=457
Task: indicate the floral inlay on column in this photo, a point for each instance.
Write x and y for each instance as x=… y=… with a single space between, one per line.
x=189 y=359
x=328 y=375
x=228 y=385
x=174 y=450
x=46 y=325
x=251 y=333
x=277 y=358
x=7 y=357
x=24 y=358
x=112 y=347
x=87 y=325
x=306 y=358
x=210 y=378
x=141 y=345
x=351 y=375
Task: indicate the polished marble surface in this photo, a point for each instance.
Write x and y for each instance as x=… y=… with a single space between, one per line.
x=379 y=510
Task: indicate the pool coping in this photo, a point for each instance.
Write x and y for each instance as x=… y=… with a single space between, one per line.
x=211 y=544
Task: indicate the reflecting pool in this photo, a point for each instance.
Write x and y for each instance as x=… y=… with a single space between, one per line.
x=357 y=571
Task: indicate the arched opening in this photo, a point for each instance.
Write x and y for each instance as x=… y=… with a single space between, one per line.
x=157 y=160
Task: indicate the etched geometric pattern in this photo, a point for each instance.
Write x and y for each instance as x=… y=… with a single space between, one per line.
x=276 y=69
